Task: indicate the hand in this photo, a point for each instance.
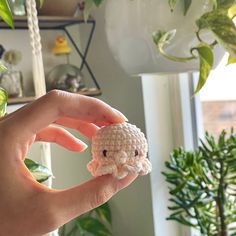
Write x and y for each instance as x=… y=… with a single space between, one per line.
x=28 y=208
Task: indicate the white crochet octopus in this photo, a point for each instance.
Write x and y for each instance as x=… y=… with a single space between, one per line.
x=119 y=149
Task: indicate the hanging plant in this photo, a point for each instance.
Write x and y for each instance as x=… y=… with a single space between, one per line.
x=218 y=20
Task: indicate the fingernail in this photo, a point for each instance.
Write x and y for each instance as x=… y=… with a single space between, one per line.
x=120 y=114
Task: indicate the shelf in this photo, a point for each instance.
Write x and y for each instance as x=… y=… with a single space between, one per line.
x=47 y=22
x=21 y=100
x=60 y=23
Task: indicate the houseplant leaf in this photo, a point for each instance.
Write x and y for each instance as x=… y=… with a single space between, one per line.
x=162 y=39
x=187 y=4
x=224 y=3
x=231 y=60
x=104 y=213
x=222 y=26
x=89 y=4
x=39 y=172
x=98 y=2
x=3 y=101
x=206 y=58
x=41 y=3
x=5 y=13
x=92 y=226
x=172 y=4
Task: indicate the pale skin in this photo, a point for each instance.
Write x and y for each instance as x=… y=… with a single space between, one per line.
x=28 y=208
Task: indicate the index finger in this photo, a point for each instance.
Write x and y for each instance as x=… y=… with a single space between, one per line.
x=56 y=104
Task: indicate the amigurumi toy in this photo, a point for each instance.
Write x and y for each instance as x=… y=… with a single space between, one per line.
x=119 y=149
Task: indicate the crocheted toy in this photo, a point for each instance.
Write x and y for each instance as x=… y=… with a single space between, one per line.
x=119 y=149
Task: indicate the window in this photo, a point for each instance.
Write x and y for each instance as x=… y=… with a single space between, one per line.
x=218 y=99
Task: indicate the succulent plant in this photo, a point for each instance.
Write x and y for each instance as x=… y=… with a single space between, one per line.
x=203 y=185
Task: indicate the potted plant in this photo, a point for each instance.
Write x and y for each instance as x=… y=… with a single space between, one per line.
x=170 y=37
x=203 y=186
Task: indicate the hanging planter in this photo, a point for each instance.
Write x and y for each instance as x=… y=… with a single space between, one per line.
x=130 y=36
x=155 y=36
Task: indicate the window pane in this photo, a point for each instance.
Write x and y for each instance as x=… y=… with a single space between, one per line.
x=218 y=99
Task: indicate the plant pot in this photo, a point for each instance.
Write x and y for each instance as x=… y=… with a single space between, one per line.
x=58 y=8
x=130 y=36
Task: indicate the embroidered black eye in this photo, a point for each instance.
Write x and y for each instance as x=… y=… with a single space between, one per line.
x=104 y=152
x=136 y=153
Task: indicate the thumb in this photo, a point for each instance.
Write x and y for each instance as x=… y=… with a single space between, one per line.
x=73 y=202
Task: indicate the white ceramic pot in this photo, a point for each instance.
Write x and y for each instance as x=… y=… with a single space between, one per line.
x=129 y=27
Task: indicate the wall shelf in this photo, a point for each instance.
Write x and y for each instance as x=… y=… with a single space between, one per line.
x=21 y=100
x=60 y=23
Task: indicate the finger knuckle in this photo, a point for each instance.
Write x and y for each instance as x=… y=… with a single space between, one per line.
x=103 y=195
x=99 y=198
x=55 y=94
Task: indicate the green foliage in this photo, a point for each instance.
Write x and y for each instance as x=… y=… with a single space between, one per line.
x=97 y=222
x=206 y=58
x=203 y=185
x=5 y=12
x=219 y=21
x=39 y=172
x=89 y=5
x=3 y=102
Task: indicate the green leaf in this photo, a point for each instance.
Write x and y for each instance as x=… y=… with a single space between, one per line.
x=172 y=4
x=231 y=60
x=104 y=212
x=98 y=2
x=182 y=220
x=206 y=58
x=93 y=226
x=224 y=3
x=39 y=172
x=163 y=38
x=187 y=4
x=5 y=13
x=232 y=11
x=3 y=68
x=41 y=2
x=3 y=101
x=89 y=4
x=222 y=27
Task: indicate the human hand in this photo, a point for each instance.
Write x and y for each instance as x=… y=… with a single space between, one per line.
x=28 y=208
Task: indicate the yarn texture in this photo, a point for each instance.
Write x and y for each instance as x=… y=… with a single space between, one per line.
x=119 y=149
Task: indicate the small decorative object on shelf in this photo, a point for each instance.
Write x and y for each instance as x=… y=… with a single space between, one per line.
x=11 y=80
x=63 y=23
x=18 y=7
x=119 y=149
x=61 y=46
x=65 y=76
